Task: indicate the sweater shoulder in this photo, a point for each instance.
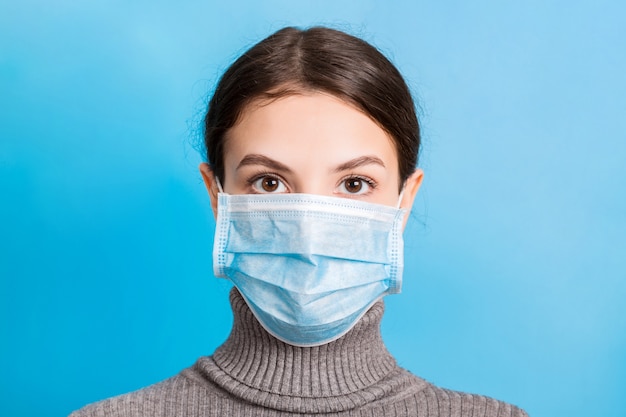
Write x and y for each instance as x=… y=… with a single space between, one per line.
x=444 y=402
x=170 y=397
x=130 y=404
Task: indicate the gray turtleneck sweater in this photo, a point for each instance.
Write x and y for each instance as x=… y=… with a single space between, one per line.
x=254 y=374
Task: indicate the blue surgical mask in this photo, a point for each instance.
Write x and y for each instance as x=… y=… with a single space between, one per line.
x=308 y=266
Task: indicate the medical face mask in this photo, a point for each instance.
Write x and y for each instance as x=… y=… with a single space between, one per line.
x=308 y=266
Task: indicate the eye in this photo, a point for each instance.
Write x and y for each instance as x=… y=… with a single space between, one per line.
x=268 y=184
x=356 y=185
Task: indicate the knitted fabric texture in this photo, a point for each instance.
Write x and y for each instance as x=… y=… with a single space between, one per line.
x=254 y=374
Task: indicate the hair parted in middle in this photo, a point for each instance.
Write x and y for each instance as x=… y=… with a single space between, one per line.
x=293 y=61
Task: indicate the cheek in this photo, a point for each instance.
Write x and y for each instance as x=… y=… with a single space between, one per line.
x=387 y=191
x=391 y=197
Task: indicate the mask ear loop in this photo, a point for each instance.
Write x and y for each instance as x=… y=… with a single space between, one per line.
x=219 y=185
x=400 y=196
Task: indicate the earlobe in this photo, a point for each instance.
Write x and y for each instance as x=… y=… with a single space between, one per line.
x=210 y=182
x=411 y=187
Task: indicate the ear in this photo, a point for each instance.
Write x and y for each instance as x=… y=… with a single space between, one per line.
x=411 y=187
x=211 y=185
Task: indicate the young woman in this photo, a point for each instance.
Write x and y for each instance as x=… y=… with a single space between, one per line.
x=312 y=143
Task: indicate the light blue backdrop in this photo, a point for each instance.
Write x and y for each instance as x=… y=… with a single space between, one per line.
x=515 y=282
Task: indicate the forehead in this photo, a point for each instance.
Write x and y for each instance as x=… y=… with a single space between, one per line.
x=305 y=123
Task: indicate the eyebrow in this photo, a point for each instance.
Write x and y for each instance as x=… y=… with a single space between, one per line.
x=258 y=159
x=359 y=162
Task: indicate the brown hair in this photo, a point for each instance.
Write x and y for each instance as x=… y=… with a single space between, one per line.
x=316 y=59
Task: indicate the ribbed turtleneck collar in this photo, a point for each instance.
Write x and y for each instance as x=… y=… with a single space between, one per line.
x=254 y=365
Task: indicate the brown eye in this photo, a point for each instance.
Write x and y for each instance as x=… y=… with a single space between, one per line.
x=356 y=185
x=268 y=184
x=353 y=185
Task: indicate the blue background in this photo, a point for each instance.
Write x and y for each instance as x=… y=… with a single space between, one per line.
x=516 y=252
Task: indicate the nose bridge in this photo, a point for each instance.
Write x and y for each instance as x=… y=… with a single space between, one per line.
x=313 y=187
x=312 y=179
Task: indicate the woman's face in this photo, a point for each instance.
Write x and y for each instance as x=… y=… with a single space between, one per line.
x=311 y=143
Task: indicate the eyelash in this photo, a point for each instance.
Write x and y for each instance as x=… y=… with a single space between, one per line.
x=263 y=174
x=369 y=181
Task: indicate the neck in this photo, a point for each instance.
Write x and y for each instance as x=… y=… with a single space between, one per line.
x=353 y=362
